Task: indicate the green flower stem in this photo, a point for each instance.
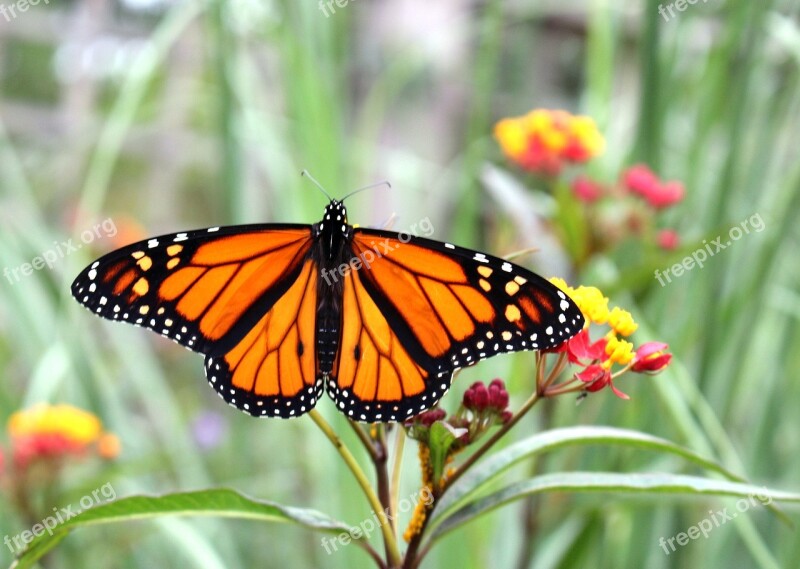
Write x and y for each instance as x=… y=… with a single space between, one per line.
x=392 y=551
x=399 y=445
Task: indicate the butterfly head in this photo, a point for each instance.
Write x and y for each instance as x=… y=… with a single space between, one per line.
x=333 y=227
x=335 y=216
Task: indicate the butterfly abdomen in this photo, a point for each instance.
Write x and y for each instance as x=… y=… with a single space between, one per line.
x=327 y=341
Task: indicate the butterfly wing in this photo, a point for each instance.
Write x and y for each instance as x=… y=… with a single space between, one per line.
x=273 y=370
x=446 y=307
x=229 y=293
x=375 y=377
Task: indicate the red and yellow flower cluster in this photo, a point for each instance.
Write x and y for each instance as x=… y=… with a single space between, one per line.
x=544 y=140
x=640 y=182
x=601 y=360
x=54 y=432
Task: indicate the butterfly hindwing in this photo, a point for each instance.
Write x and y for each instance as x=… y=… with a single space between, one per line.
x=272 y=371
x=375 y=377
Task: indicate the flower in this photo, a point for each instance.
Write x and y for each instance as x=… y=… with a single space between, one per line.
x=596 y=377
x=587 y=190
x=498 y=396
x=580 y=347
x=598 y=359
x=666 y=195
x=430 y=416
x=73 y=424
x=589 y=299
x=208 y=429
x=543 y=140
x=650 y=358
x=621 y=322
x=668 y=239
x=592 y=303
x=128 y=230
x=640 y=179
x=52 y=431
x=492 y=399
x=109 y=446
x=618 y=352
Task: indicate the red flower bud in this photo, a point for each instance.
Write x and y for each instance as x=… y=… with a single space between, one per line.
x=665 y=195
x=650 y=358
x=668 y=239
x=430 y=416
x=476 y=398
x=498 y=396
x=640 y=179
x=586 y=190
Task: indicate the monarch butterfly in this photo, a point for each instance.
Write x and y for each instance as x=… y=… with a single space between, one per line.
x=378 y=318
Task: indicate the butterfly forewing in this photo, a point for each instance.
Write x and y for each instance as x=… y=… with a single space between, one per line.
x=204 y=289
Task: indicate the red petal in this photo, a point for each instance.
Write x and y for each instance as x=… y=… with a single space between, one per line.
x=650 y=348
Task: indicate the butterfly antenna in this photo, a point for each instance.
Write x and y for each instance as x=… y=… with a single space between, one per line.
x=321 y=189
x=384 y=183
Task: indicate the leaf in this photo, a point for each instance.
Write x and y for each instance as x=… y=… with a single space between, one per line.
x=648 y=483
x=217 y=502
x=486 y=471
x=441 y=438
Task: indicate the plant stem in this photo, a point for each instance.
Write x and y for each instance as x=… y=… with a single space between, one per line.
x=412 y=560
x=475 y=456
x=399 y=445
x=392 y=552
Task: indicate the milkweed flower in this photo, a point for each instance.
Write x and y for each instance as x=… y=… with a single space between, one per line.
x=544 y=140
x=640 y=179
x=668 y=239
x=56 y=431
x=622 y=322
x=587 y=190
x=650 y=358
x=597 y=360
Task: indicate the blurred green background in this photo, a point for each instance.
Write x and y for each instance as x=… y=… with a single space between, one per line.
x=167 y=115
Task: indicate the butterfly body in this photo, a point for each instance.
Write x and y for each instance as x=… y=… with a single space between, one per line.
x=379 y=319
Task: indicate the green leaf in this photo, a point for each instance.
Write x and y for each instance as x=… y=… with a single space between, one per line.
x=440 y=439
x=647 y=483
x=486 y=471
x=217 y=502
